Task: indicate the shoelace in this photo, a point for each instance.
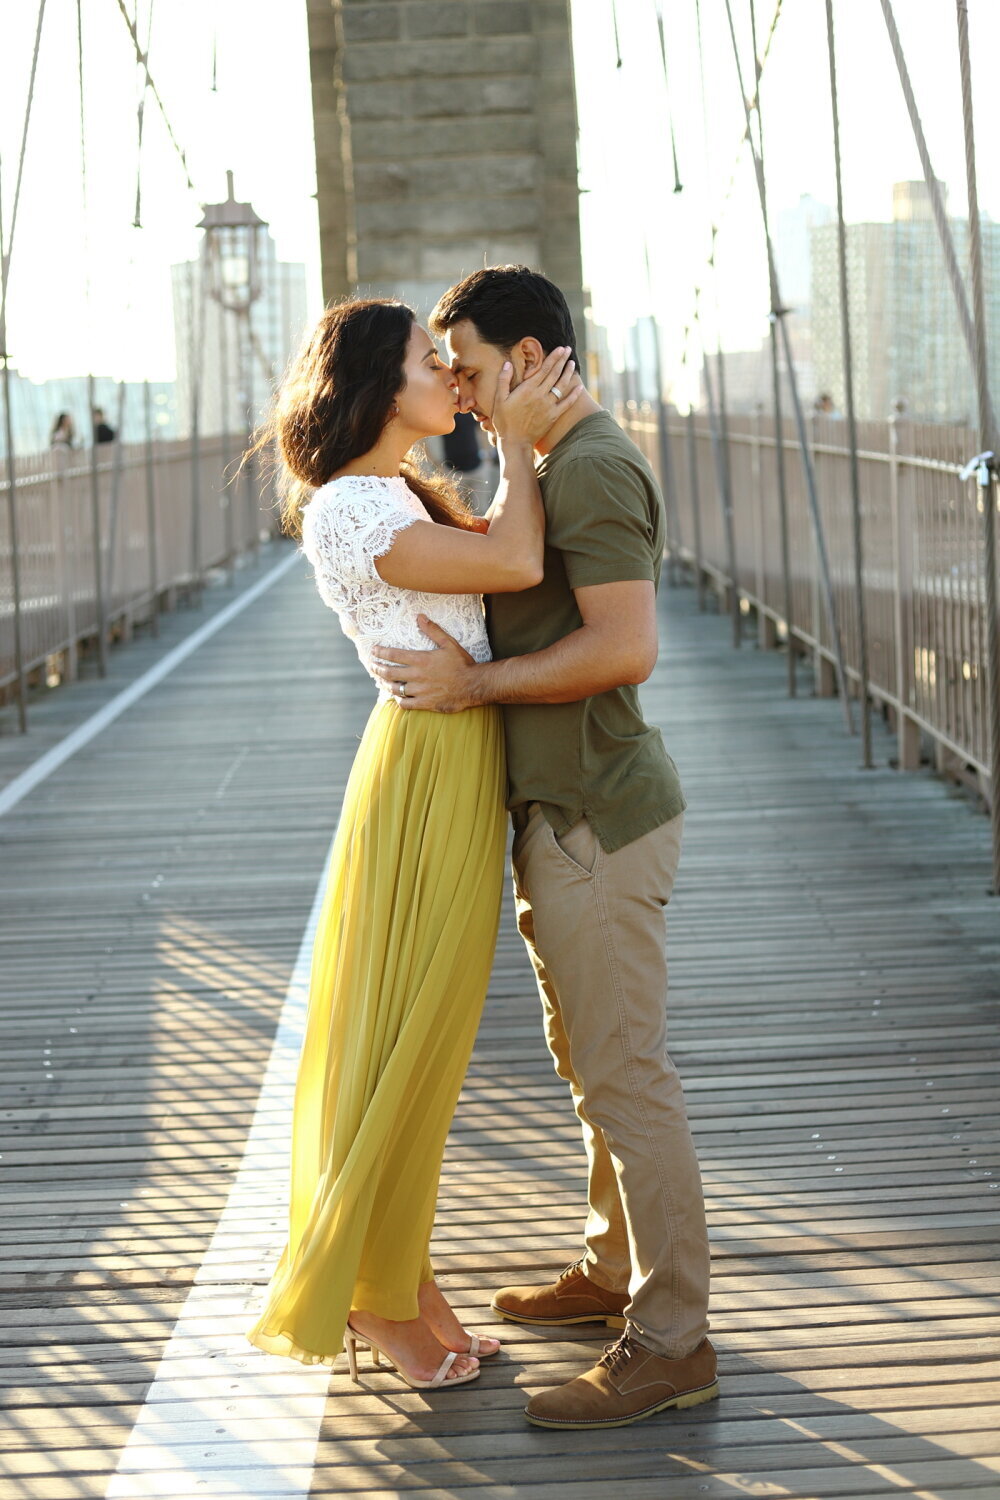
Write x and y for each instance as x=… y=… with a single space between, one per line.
x=571 y=1269
x=617 y=1355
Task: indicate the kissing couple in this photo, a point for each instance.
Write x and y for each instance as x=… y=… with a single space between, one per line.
x=507 y=651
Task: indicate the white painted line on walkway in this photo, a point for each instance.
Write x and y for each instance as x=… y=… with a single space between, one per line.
x=36 y=773
x=192 y=1436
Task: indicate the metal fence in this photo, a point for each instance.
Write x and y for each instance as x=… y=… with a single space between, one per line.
x=924 y=569
x=105 y=537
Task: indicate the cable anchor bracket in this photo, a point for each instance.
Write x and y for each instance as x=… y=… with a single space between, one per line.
x=984 y=466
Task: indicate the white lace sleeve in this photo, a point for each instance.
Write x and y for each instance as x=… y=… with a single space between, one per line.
x=343 y=534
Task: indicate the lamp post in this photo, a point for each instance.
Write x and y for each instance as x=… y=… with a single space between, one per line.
x=231 y=266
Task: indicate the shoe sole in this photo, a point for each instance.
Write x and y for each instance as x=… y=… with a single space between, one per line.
x=613 y=1320
x=678 y=1403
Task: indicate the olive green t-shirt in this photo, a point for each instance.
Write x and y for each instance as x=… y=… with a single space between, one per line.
x=596 y=758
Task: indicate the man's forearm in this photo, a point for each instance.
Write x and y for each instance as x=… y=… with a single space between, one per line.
x=580 y=665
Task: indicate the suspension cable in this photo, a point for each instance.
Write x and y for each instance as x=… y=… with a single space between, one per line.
x=717 y=218
x=140 y=114
x=100 y=604
x=807 y=463
x=5 y=258
x=143 y=62
x=779 y=420
x=933 y=188
x=678 y=185
x=988 y=438
x=12 y=536
x=852 y=425
x=717 y=410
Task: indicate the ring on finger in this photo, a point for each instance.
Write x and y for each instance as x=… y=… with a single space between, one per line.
x=557 y=393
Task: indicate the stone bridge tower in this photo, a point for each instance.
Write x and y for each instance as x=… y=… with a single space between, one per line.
x=445 y=140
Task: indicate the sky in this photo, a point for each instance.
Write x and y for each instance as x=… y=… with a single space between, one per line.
x=89 y=291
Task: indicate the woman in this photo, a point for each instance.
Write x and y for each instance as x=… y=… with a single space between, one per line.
x=63 y=432
x=405 y=940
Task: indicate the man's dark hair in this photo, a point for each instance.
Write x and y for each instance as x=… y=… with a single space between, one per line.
x=507 y=303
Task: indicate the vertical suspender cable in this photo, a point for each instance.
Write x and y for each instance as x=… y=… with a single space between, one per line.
x=933 y=187
x=852 y=425
x=197 y=282
x=727 y=486
x=114 y=501
x=670 y=504
x=618 y=45
x=667 y=474
x=154 y=582
x=15 y=557
x=225 y=402
x=95 y=493
x=5 y=258
x=143 y=61
x=988 y=435
x=807 y=464
x=715 y=428
x=777 y=311
x=692 y=456
x=717 y=410
x=252 y=427
x=23 y=151
x=678 y=185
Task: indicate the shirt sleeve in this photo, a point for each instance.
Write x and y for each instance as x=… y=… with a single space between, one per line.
x=343 y=536
x=598 y=515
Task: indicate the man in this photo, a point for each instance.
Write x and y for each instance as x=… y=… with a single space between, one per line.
x=598 y=813
x=103 y=432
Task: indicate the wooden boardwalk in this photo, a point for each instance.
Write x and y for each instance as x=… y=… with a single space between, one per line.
x=835 y=1008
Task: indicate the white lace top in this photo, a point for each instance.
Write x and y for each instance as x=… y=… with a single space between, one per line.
x=347 y=524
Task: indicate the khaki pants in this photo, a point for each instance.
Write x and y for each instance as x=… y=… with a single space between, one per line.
x=595 y=928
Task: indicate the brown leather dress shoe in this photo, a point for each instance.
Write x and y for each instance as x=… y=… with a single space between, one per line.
x=574 y=1298
x=627 y=1384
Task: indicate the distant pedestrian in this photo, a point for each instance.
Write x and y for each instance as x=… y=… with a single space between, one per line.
x=63 y=434
x=461 y=446
x=102 y=432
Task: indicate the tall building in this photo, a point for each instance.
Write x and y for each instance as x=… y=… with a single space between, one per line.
x=908 y=345
x=792 y=250
x=749 y=379
x=212 y=345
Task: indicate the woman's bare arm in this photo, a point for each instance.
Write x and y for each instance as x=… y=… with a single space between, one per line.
x=506 y=557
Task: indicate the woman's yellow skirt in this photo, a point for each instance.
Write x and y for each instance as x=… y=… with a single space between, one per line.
x=400 y=968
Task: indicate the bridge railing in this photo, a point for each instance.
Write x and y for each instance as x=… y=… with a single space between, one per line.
x=924 y=559
x=165 y=515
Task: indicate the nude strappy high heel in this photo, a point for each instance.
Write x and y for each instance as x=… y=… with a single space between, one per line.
x=476 y=1345
x=439 y=1380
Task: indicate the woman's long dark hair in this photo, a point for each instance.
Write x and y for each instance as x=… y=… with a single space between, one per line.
x=335 y=402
